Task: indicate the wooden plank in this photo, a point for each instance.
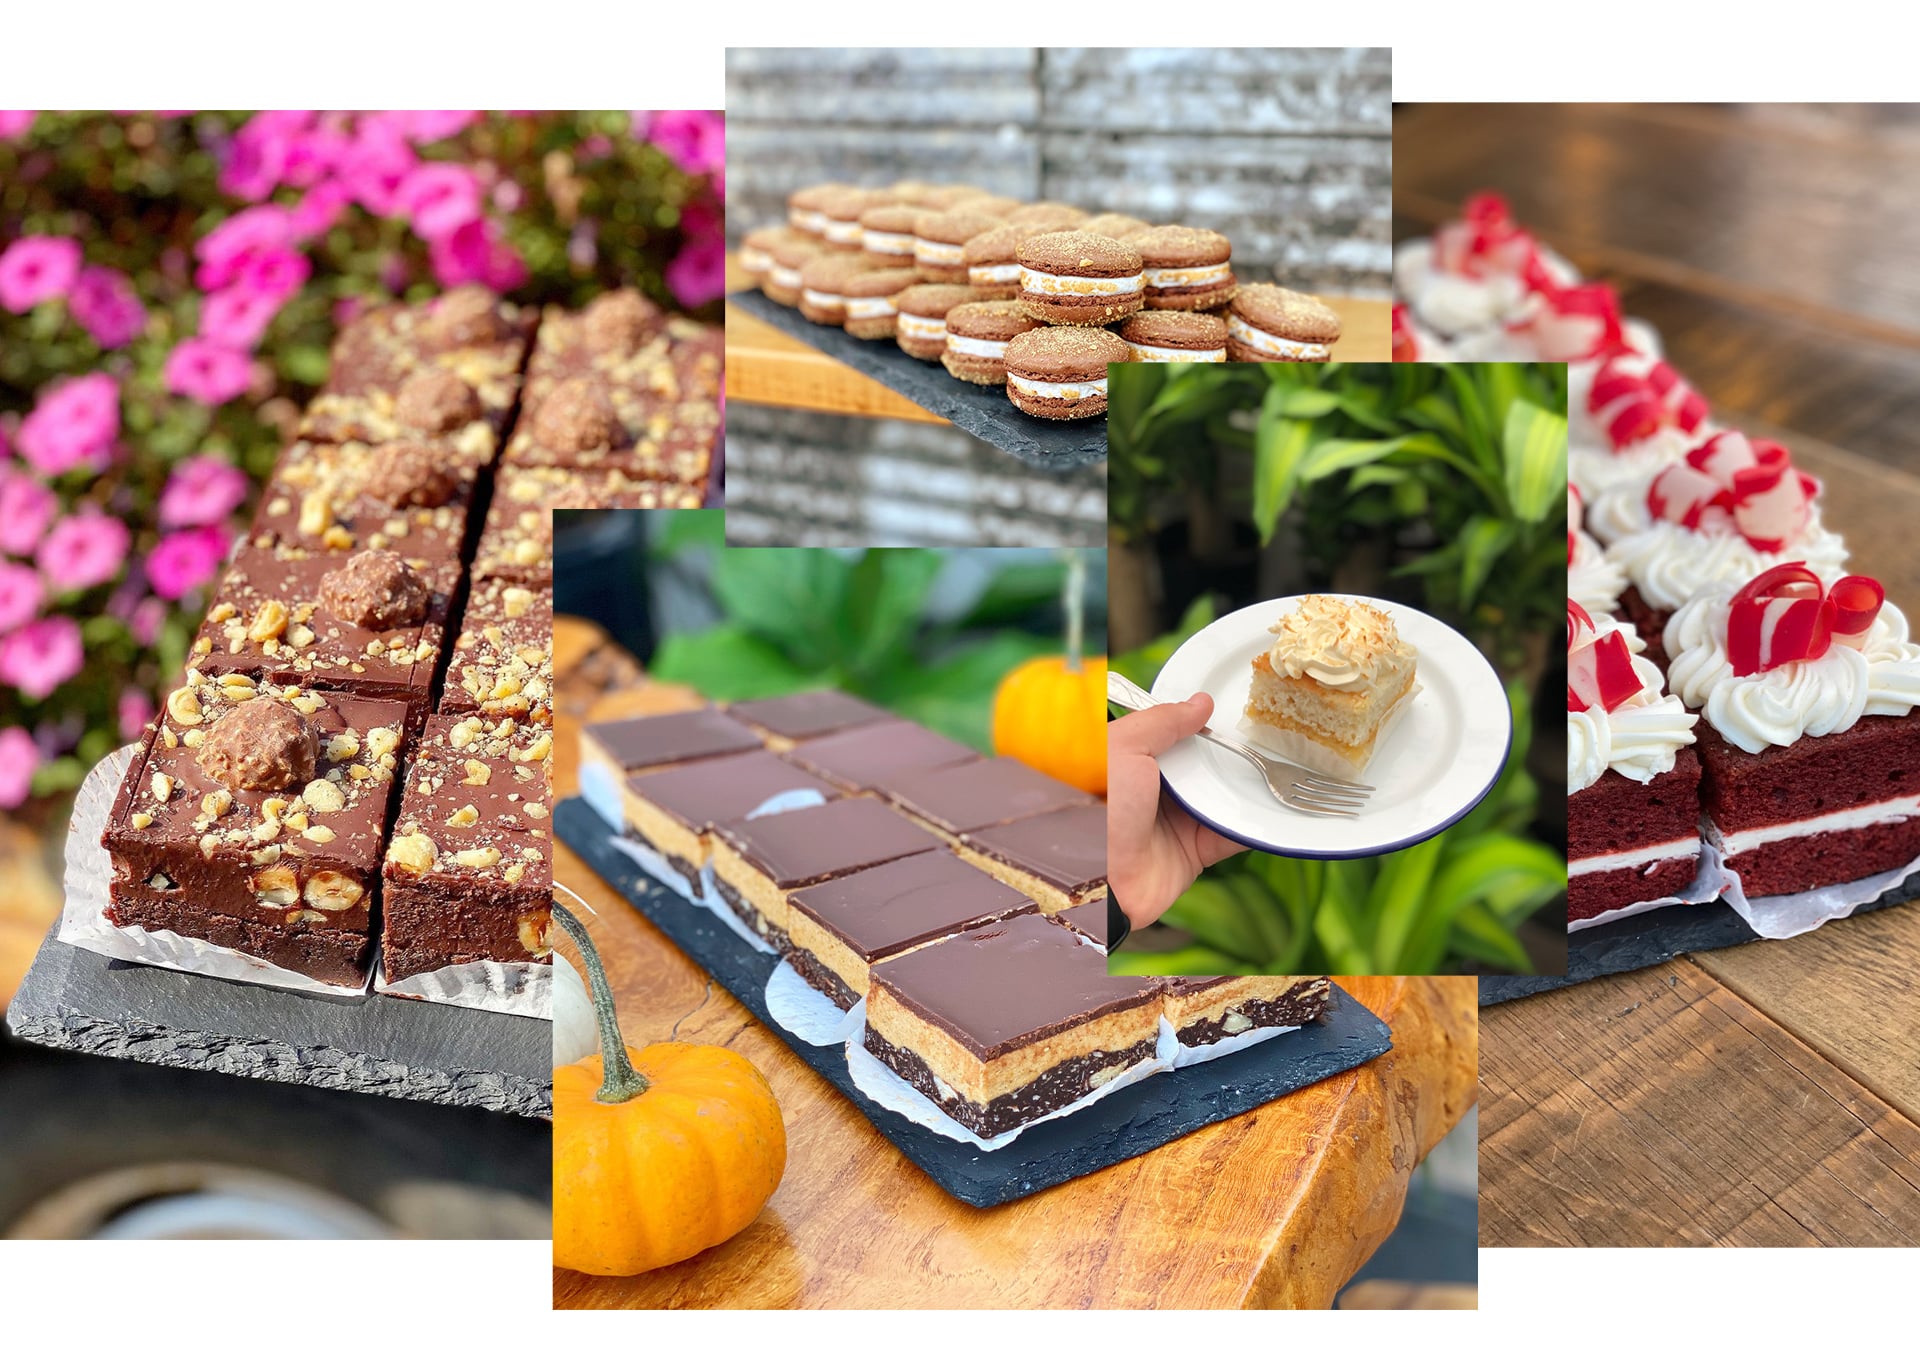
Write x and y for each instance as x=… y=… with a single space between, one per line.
x=1661 y=1109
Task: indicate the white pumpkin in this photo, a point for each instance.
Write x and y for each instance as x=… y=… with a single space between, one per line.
x=575 y=1034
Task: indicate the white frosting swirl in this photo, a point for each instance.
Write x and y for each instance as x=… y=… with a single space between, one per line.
x=1593 y=582
x=1458 y=305
x=1597 y=472
x=1339 y=643
x=1639 y=739
x=1669 y=563
x=1800 y=698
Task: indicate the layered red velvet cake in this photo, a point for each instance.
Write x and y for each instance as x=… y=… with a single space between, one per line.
x=1633 y=779
x=1810 y=741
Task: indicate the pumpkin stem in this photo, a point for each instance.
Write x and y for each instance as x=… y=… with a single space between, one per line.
x=622 y=1082
x=1074 y=600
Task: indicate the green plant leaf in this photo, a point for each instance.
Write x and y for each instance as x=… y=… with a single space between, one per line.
x=1301 y=401
x=1194 y=959
x=1142 y=666
x=1478 y=936
x=1535 y=446
x=1279 y=444
x=1399 y=889
x=1336 y=456
x=1014 y=592
x=688 y=532
x=1482 y=544
x=1211 y=912
x=730 y=663
x=793 y=597
x=954 y=696
x=886 y=591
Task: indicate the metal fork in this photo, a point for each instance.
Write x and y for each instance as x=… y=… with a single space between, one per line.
x=1291 y=785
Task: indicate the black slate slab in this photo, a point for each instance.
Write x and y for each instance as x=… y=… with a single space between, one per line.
x=1650 y=938
x=1124 y=1125
x=73 y=999
x=978 y=410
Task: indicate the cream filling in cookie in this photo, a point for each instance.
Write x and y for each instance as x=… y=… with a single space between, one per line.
x=1050 y=389
x=812 y=222
x=1262 y=341
x=842 y=231
x=755 y=260
x=869 y=306
x=1189 y=276
x=1046 y=283
x=785 y=276
x=824 y=299
x=887 y=241
x=921 y=327
x=1146 y=351
x=993 y=273
x=933 y=251
x=967 y=346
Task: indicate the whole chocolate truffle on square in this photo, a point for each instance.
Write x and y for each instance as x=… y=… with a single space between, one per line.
x=577 y=415
x=465 y=316
x=620 y=322
x=375 y=590
x=437 y=400
x=263 y=745
x=410 y=474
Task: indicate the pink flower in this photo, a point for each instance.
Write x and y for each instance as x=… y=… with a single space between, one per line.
x=237 y=316
x=236 y=241
x=695 y=141
x=257 y=159
x=201 y=490
x=207 y=372
x=19 y=757
x=375 y=165
x=148 y=617
x=439 y=199
x=26 y=509
x=136 y=708
x=15 y=124
x=277 y=272
x=42 y=656
x=104 y=304
x=186 y=559
x=37 y=267
x=73 y=424
x=698 y=273
x=83 y=550
x=21 y=595
x=476 y=252
x=320 y=209
x=433 y=126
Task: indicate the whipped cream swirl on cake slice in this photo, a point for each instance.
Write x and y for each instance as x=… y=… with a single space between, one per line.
x=1638 y=739
x=1339 y=644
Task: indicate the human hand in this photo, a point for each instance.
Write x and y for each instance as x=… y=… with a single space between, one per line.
x=1155 y=850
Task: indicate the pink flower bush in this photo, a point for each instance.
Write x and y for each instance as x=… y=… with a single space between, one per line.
x=21 y=595
x=83 y=550
x=19 y=757
x=238 y=316
x=186 y=560
x=103 y=302
x=135 y=711
x=14 y=125
x=27 y=507
x=201 y=490
x=238 y=241
x=695 y=141
x=41 y=656
x=698 y=273
x=207 y=372
x=476 y=252
x=37 y=268
x=73 y=424
x=439 y=199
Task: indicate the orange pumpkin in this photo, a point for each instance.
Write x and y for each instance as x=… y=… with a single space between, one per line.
x=658 y=1153
x=1050 y=713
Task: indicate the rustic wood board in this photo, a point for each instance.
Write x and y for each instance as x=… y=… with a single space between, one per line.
x=1123 y=1125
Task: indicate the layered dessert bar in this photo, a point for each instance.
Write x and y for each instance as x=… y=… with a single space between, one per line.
x=408 y=499
x=1088 y=920
x=962 y=799
x=502 y=664
x=1808 y=734
x=840 y=929
x=674 y=812
x=252 y=818
x=1001 y=1025
x=368 y=622
x=1203 y=1010
x=646 y=744
x=1337 y=670
x=468 y=875
x=1633 y=778
x=758 y=863
x=445 y=372
x=786 y=721
x=862 y=759
x=1059 y=859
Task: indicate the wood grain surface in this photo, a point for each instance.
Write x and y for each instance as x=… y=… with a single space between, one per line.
x=1766 y=1094
x=1274 y=1208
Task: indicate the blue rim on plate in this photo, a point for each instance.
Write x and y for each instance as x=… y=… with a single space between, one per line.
x=1472 y=795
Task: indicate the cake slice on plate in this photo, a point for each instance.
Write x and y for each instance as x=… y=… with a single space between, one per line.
x=1325 y=691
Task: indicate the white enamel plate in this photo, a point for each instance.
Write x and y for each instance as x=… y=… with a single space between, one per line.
x=1439 y=759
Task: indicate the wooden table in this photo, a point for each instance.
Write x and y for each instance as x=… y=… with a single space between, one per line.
x=765 y=365
x=1275 y=1208
x=1766 y=1094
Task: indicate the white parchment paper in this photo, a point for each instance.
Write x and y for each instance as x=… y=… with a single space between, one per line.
x=1709 y=882
x=1785 y=916
x=808 y=1013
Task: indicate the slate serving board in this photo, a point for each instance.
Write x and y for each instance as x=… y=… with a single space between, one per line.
x=979 y=410
x=74 y=999
x=1123 y=1125
x=1650 y=938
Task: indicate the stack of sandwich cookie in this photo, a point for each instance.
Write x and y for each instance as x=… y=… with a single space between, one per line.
x=1074 y=278
x=1184 y=268
x=940 y=242
x=977 y=337
x=1061 y=373
x=868 y=297
x=1175 y=335
x=922 y=318
x=788 y=256
x=1271 y=323
x=886 y=234
x=823 y=285
x=992 y=269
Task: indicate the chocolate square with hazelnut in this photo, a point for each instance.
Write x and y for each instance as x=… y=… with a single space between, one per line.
x=445 y=372
x=517 y=540
x=252 y=818
x=502 y=662
x=367 y=622
x=408 y=498
x=469 y=871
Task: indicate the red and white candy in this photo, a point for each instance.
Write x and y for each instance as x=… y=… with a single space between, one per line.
x=1783 y=615
x=1600 y=671
x=1485 y=242
x=1633 y=399
x=1730 y=481
x=1574 y=515
x=1570 y=323
x=1405 y=347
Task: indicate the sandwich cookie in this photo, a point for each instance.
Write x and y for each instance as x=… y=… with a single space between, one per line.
x=803 y=208
x=840 y=212
x=993 y=204
x=869 y=300
x=992 y=269
x=1175 y=335
x=789 y=255
x=823 y=285
x=1048 y=216
x=756 y=256
x=922 y=312
x=1061 y=373
x=1185 y=268
x=948 y=196
x=940 y=239
x=977 y=337
x=886 y=234
x=1272 y=323
x=1071 y=277
x=910 y=192
x=1113 y=224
